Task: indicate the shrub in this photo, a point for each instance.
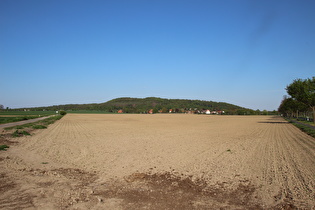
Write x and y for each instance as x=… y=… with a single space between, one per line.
x=25 y=133
x=62 y=112
x=18 y=133
x=4 y=147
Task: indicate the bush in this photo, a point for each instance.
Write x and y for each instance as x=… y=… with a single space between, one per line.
x=62 y=112
x=4 y=147
x=18 y=133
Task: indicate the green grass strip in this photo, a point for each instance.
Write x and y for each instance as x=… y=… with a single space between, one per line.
x=304 y=128
x=18 y=133
x=39 y=124
x=4 y=120
x=39 y=127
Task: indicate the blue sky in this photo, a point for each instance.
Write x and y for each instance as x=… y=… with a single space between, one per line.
x=72 y=51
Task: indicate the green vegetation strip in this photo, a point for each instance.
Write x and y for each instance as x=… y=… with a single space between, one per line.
x=39 y=124
x=4 y=120
x=310 y=130
x=4 y=147
x=19 y=133
x=42 y=124
x=39 y=127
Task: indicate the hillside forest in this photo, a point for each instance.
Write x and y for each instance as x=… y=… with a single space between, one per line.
x=155 y=105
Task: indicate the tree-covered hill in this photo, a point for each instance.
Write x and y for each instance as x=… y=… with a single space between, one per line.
x=178 y=105
x=143 y=105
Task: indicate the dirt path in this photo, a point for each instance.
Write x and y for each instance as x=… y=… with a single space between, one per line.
x=22 y=122
x=161 y=162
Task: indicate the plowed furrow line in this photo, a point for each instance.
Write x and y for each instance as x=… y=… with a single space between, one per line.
x=295 y=176
x=85 y=131
x=307 y=142
x=304 y=144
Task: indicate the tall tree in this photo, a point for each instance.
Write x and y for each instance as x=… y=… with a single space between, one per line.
x=290 y=107
x=303 y=91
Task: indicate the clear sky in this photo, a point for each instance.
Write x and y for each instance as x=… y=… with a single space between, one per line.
x=243 y=52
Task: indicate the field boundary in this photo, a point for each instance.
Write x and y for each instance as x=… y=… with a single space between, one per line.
x=23 y=122
x=306 y=128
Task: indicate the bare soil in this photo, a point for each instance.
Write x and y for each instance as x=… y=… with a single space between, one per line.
x=160 y=161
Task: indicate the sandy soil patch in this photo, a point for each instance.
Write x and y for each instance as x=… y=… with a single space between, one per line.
x=160 y=162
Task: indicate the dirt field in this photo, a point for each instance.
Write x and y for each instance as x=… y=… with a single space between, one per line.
x=160 y=162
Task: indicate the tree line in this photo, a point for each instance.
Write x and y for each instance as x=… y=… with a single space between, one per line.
x=300 y=101
x=143 y=105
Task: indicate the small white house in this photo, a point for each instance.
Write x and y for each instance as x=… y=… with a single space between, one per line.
x=208 y=111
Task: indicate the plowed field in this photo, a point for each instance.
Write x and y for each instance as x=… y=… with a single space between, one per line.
x=160 y=162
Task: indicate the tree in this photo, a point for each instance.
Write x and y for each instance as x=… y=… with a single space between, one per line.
x=304 y=92
x=1 y=106
x=290 y=107
x=62 y=112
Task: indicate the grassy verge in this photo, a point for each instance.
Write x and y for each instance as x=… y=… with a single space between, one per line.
x=26 y=129
x=18 y=133
x=304 y=127
x=308 y=123
x=4 y=120
x=37 y=125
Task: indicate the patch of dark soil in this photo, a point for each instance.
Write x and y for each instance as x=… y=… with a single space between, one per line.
x=68 y=186
x=6 y=141
x=170 y=191
x=45 y=184
x=5 y=183
x=76 y=174
x=11 y=196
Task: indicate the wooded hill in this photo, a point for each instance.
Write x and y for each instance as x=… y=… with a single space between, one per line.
x=143 y=105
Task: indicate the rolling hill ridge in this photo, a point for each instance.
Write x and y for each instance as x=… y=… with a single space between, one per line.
x=143 y=105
